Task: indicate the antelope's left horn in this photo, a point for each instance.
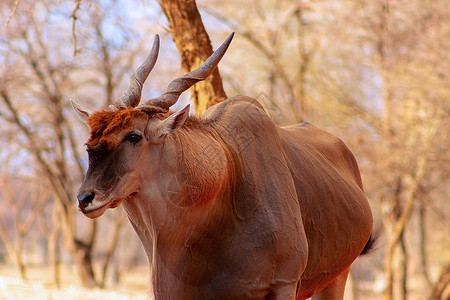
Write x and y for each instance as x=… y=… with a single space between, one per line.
x=132 y=96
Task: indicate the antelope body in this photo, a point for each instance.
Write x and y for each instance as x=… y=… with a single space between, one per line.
x=228 y=205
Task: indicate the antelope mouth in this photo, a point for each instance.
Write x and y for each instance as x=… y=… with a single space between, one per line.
x=96 y=208
x=125 y=188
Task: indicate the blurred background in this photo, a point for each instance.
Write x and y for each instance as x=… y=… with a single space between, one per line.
x=376 y=73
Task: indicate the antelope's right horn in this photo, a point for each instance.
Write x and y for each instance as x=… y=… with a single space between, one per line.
x=179 y=85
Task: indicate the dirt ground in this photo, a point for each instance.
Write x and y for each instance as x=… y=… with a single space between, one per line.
x=134 y=286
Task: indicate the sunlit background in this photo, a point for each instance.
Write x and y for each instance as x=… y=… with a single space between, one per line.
x=375 y=73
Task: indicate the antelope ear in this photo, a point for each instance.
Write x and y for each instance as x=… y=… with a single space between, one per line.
x=174 y=122
x=82 y=112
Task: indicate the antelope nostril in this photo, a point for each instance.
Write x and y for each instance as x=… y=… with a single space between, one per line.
x=85 y=199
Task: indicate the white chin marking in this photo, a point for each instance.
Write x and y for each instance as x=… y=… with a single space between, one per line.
x=95 y=209
x=95 y=205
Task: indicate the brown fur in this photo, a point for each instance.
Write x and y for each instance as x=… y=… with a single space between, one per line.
x=104 y=123
x=231 y=206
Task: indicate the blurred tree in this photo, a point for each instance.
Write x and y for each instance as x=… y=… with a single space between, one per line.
x=280 y=31
x=413 y=115
x=441 y=290
x=194 y=46
x=50 y=225
x=50 y=140
x=24 y=206
x=39 y=72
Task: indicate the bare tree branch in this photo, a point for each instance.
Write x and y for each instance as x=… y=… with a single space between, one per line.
x=16 y=5
x=74 y=35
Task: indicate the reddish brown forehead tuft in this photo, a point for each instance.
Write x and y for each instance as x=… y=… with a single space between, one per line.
x=104 y=123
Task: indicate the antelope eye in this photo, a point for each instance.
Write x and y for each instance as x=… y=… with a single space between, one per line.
x=133 y=137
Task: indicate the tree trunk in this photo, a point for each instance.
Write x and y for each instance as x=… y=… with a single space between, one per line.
x=83 y=257
x=53 y=257
x=423 y=242
x=18 y=254
x=83 y=261
x=194 y=46
x=354 y=285
x=441 y=289
x=388 y=293
x=304 y=65
x=404 y=272
x=53 y=249
x=118 y=223
x=13 y=251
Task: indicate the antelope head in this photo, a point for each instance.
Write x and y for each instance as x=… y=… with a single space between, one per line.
x=129 y=135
